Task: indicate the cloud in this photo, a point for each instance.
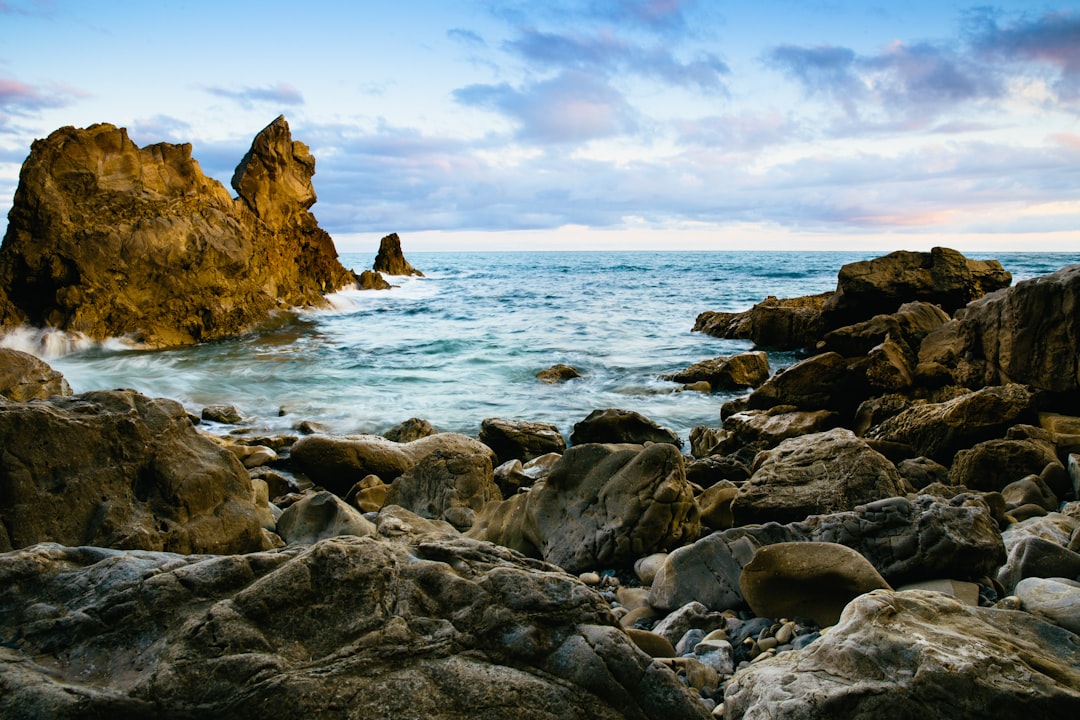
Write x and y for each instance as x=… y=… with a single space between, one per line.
x=573 y=106
x=658 y=17
x=159 y=128
x=611 y=54
x=829 y=70
x=280 y=94
x=466 y=37
x=18 y=98
x=1052 y=39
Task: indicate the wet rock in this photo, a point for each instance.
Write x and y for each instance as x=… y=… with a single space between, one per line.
x=917 y=654
x=319 y=516
x=621 y=426
x=390 y=259
x=373 y=280
x=771 y=427
x=1036 y=557
x=815 y=580
x=409 y=430
x=521 y=439
x=119 y=469
x=827 y=381
x=224 y=414
x=910 y=324
x=813 y=475
x=787 y=324
x=23 y=377
x=744 y=370
x=348 y=627
x=558 y=373
x=109 y=239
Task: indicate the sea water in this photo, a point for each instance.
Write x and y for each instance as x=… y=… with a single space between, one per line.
x=464 y=342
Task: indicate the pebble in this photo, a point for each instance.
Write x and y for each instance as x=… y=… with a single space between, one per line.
x=590 y=578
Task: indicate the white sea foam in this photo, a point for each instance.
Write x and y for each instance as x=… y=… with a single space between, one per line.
x=51 y=343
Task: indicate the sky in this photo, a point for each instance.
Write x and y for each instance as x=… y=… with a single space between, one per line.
x=595 y=124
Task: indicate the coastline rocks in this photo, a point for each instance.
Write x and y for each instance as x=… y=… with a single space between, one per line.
x=600 y=506
x=390 y=259
x=909 y=324
x=24 y=377
x=621 y=426
x=520 y=439
x=108 y=239
x=372 y=280
x=815 y=474
x=784 y=324
x=942 y=277
x=827 y=381
x=749 y=369
x=119 y=469
x=994 y=464
x=349 y=627
x=558 y=373
x=339 y=462
x=448 y=485
x=917 y=654
x=939 y=430
x=770 y=427
x=319 y=516
x=814 y=580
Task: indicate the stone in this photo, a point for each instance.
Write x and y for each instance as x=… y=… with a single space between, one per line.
x=783 y=324
x=710 y=471
x=119 y=469
x=621 y=426
x=993 y=464
x=1055 y=599
x=373 y=280
x=1036 y=557
x=521 y=439
x=652 y=644
x=339 y=462
x=1030 y=490
x=224 y=414
x=815 y=474
x=601 y=506
x=368 y=495
x=1055 y=527
x=1024 y=334
x=409 y=430
x=319 y=516
x=828 y=381
x=922 y=471
x=906 y=541
x=771 y=427
x=1074 y=474
x=965 y=592
x=715 y=506
x=691 y=616
x=909 y=324
x=917 y=654
x=24 y=377
x=942 y=277
x=558 y=373
x=646 y=568
x=815 y=580
x=745 y=370
x=890 y=367
x=352 y=627
x=390 y=259
x=939 y=430
x=448 y=485
x=108 y=239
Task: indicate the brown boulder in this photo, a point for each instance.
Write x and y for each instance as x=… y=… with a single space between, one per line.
x=621 y=426
x=119 y=469
x=520 y=439
x=827 y=381
x=390 y=259
x=372 y=280
x=744 y=370
x=993 y=464
x=557 y=373
x=109 y=239
x=785 y=324
x=24 y=377
x=910 y=324
x=448 y=485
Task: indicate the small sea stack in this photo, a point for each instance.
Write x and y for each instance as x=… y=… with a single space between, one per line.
x=390 y=259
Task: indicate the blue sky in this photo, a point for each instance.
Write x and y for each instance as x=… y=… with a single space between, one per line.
x=665 y=124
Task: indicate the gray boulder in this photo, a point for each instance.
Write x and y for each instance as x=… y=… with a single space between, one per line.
x=522 y=440
x=319 y=516
x=621 y=426
x=446 y=485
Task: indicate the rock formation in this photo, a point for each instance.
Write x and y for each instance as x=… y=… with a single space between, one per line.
x=24 y=377
x=390 y=259
x=109 y=239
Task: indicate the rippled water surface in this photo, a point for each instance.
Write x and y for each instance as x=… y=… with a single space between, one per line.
x=464 y=342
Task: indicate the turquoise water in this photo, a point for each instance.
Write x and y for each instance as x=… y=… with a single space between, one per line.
x=465 y=342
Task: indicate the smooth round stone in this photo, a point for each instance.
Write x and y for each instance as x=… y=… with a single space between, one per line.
x=689 y=641
x=785 y=633
x=654 y=645
x=647 y=567
x=1056 y=599
x=590 y=578
x=632 y=598
x=637 y=614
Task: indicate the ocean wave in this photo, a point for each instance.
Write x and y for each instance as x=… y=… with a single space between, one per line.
x=48 y=343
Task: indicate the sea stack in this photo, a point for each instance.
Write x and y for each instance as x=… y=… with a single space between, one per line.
x=111 y=240
x=390 y=260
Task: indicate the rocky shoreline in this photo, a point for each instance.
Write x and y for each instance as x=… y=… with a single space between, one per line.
x=889 y=527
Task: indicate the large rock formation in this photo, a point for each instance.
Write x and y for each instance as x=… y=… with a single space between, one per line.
x=350 y=627
x=391 y=260
x=109 y=239
x=24 y=377
x=119 y=469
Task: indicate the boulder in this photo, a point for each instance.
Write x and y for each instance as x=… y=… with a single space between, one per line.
x=1025 y=334
x=785 y=324
x=827 y=381
x=521 y=439
x=815 y=474
x=449 y=485
x=812 y=580
x=372 y=280
x=390 y=259
x=601 y=506
x=906 y=541
x=1036 y=557
x=23 y=377
x=339 y=462
x=941 y=277
x=119 y=469
x=745 y=370
x=993 y=464
x=890 y=367
x=1054 y=599
x=409 y=430
x=319 y=516
x=922 y=471
x=917 y=654
x=909 y=324
x=771 y=427
x=557 y=374
x=939 y=430
x=621 y=426
x=422 y=626
x=108 y=239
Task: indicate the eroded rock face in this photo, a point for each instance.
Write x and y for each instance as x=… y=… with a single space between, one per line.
x=391 y=260
x=744 y=370
x=448 y=485
x=119 y=469
x=613 y=425
x=601 y=506
x=436 y=626
x=786 y=323
x=24 y=377
x=109 y=239
x=917 y=654
x=522 y=440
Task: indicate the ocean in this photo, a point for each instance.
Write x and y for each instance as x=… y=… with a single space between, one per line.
x=465 y=342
